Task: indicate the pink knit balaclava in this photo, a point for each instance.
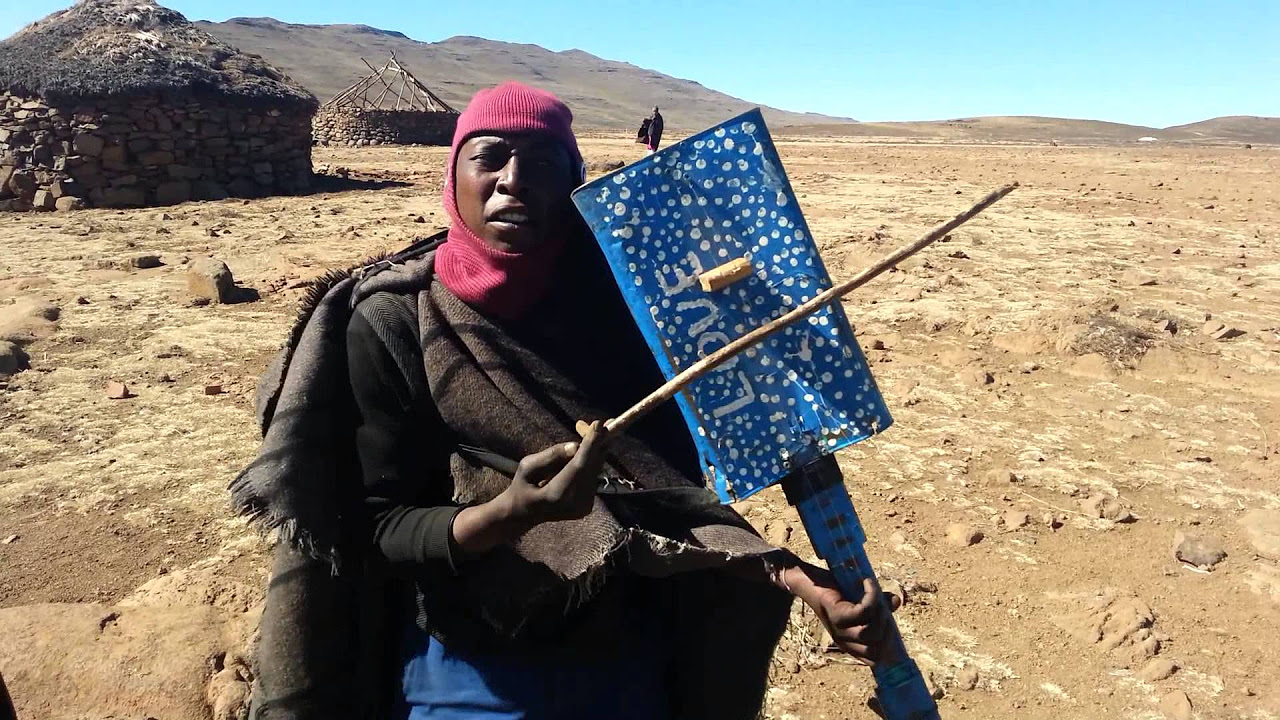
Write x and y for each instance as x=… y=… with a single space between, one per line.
x=499 y=283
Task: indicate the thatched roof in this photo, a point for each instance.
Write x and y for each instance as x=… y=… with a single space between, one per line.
x=114 y=48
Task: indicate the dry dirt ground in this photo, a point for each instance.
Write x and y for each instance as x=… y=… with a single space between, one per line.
x=1050 y=359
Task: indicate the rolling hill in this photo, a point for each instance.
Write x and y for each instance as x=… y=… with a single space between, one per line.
x=603 y=93
x=607 y=94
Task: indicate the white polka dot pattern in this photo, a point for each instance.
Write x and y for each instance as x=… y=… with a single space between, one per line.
x=715 y=197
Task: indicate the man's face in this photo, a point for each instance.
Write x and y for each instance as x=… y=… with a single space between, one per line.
x=513 y=190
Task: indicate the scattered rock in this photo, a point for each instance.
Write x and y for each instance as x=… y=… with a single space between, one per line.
x=877 y=345
x=900 y=544
x=210 y=280
x=1176 y=706
x=1219 y=330
x=143 y=262
x=82 y=300
x=967 y=678
x=28 y=320
x=1137 y=278
x=10 y=540
x=67 y=203
x=889 y=586
x=1113 y=621
x=1264 y=579
x=419 y=219
x=212 y=389
x=915 y=587
x=1015 y=519
x=962 y=535
x=779 y=533
x=979 y=377
x=1052 y=521
x=958 y=255
x=1106 y=508
x=1158 y=669
x=1000 y=476
x=1263 y=528
x=1027 y=368
x=228 y=694
x=13 y=359
x=117 y=390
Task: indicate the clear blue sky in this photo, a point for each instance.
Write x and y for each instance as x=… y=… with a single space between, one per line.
x=1147 y=62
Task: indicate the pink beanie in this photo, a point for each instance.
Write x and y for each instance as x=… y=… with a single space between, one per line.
x=499 y=283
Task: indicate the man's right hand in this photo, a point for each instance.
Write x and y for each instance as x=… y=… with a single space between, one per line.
x=558 y=483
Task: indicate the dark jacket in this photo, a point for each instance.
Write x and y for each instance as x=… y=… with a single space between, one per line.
x=655 y=130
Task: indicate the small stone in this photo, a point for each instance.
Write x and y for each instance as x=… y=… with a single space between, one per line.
x=117 y=390
x=1211 y=327
x=967 y=678
x=958 y=255
x=1029 y=367
x=1169 y=326
x=979 y=377
x=166 y=378
x=419 y=219
x=1015 y=519
x=877 y=345
x=212 y=389
x=779 y=533
x=10 y=540
x=1000 y=476
x=1177 y=251
x=1137 y=278
x=1176 y=706
x=1106 y=508
x=962 y=535
x=889 y=586
x=1226 y=332
x=12 y=358
x=68 y=203
x=793 y=667
x=210 y=280
x=143 y=262
x=1263 y=529
x=82 y=300
x=1053 y=521
x=1158 y=669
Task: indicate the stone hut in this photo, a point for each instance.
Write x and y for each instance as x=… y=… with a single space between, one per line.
x=388 y=107
x=124 y=103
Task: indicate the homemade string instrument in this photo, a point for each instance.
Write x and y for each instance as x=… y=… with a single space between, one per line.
x=713 y=257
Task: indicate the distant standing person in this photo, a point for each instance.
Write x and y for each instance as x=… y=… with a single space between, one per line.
x=655 y=130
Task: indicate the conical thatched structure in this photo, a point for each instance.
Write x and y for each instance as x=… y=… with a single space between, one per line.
x=387 y=107
x=122 y=103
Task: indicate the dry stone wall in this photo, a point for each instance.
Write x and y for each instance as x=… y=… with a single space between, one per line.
x=350 y=127
x=148 y=150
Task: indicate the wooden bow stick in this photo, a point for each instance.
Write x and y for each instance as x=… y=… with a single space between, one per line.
x=715 y=359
